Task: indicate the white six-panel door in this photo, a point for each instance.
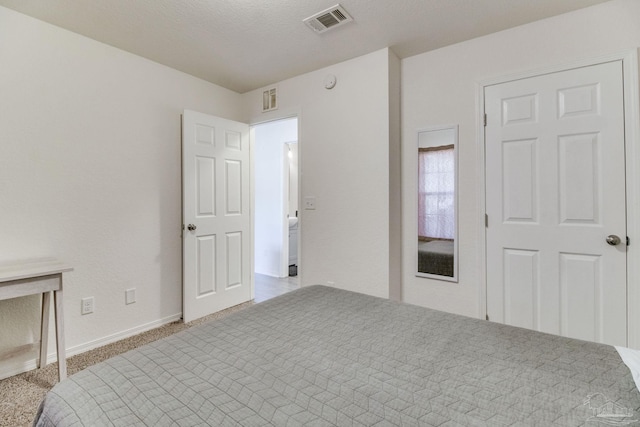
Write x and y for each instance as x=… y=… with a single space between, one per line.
x=555 y=190
x=216 y=214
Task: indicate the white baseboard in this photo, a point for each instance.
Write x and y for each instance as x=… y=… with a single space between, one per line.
x=9 y=368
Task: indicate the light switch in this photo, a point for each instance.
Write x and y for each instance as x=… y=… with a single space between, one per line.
x=309 y=203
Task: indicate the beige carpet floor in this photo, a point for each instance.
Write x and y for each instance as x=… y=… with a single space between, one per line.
x=20 y=395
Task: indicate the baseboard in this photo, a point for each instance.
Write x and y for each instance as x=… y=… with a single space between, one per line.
x=9 y=368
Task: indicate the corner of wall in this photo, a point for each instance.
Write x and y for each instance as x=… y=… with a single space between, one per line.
x=395 y=181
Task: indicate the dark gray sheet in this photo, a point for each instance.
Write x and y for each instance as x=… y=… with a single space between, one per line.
x=321 y=356
x=436 y=257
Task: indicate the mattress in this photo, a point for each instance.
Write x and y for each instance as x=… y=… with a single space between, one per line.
x=436 y=257
x=320 y=356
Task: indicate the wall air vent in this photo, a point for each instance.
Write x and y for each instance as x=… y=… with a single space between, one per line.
x=328 y=19
x=270 y=99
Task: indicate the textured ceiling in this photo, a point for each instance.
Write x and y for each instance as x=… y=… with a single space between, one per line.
x=247 y=44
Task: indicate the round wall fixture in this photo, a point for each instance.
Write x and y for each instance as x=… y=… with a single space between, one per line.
x=330 y=81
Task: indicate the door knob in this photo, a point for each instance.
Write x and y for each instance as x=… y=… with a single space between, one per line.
x=613 y=240
x=192 y=227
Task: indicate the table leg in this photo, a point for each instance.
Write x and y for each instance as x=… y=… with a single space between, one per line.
x=62 y=361
x=44 y=329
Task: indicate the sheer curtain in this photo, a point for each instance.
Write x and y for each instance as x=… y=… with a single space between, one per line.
x=436 y=185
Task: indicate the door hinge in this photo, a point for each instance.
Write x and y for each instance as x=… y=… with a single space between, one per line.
x=486 y=220
x=486 y=317
x=628 y=241
x=485 y=119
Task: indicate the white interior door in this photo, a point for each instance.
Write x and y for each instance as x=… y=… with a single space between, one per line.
x=555 y=189
x=216 y=214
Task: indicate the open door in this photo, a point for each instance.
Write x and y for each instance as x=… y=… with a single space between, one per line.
x=216 y=214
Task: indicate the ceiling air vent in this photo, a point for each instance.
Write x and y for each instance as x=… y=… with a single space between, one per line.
x=327 y=19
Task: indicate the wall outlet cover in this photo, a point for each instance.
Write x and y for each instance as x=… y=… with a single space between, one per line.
x=130 y=296
x=87 y=305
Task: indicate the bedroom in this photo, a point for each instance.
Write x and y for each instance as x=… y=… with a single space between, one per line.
x=90 y=103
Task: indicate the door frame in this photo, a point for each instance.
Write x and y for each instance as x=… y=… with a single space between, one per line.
x=274 y=116
x=286 y=188
x=630 y=78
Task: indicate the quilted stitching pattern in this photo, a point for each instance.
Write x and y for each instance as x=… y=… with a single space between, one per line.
x=321 y=356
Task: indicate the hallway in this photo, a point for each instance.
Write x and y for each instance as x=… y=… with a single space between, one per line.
x=267 y=287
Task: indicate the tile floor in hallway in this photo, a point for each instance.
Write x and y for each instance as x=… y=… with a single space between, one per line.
x=267 y=287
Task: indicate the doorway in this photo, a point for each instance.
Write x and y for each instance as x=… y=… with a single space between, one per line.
x=276 y=219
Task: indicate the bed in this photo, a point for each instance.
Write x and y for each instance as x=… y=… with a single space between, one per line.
x=436 y=257
x=320 y=356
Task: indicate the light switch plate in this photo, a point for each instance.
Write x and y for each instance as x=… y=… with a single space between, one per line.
x=309 y=203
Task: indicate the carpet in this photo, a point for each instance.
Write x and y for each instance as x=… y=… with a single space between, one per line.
x=21 y=394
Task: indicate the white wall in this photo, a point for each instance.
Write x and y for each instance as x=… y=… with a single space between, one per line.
x=440 y=88
x=271 y=229
x=344 y=161
x=90 y=173
x=293 y=179
x=395 y=179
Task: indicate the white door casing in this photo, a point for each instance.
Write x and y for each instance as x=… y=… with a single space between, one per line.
x=555 y=189
x=216 y=214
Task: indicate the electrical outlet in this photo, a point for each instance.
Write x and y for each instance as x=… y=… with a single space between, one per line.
x=130 y=296
x=87 y=305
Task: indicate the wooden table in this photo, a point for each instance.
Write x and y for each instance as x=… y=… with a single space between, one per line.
x=43 y=276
